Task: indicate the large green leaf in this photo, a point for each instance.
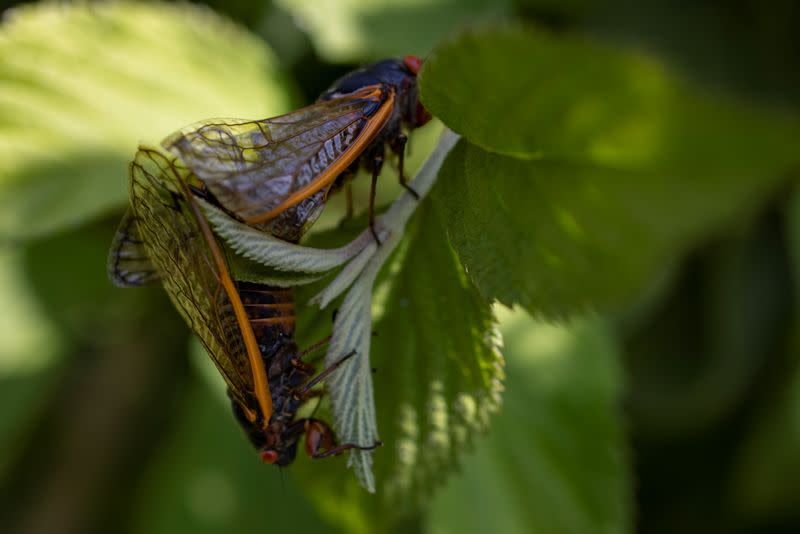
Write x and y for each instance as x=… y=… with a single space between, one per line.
x=589 y=169
x=359 y=30
x=437 y=379
x=74 y=105
x=555 y=460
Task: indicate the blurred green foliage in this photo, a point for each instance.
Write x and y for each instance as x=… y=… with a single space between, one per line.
x=72 y=102
x=555 y=460
x=359 y=30
x=633 y=161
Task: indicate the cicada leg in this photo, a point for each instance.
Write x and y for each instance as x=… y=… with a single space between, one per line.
x=344 y=181
x=316 y=346
x=377 y=164
x=398 y=146
x=302 y=393
x=319 y=436
x=348 y=195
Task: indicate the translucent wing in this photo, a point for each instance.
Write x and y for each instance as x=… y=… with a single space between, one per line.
x=194 y=274
x=259 y=170
x=128 y=262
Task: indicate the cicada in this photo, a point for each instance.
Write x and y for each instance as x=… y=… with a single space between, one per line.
x=276 y=172
x=246 y=328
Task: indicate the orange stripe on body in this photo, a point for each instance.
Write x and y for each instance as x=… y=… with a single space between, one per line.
x=260 y=382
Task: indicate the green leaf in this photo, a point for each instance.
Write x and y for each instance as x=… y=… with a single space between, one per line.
x=555 y=460
x=437 y=380
x=207 y=478
x=621 y=165
x=75 y=105
x=560 y=237
x=358 y=30
x=524 y=92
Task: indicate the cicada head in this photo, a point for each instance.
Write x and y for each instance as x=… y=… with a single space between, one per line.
x=275 y=445
x=401 y=74
x=417 y=115
x=281 y=456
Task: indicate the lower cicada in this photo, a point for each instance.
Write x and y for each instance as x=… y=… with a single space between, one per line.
x=246 y=328
x=275 y=172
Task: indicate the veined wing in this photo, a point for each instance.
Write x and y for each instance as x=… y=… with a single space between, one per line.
x=193 y=270
x=259 y=169
x=128 y=262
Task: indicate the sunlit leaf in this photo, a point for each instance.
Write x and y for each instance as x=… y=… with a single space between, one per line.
x=620 y=165
x=555 y=459
x=358 y=30
x=74 y=105
x=437 y=380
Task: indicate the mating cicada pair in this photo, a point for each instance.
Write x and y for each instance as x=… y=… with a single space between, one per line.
x=275 y=175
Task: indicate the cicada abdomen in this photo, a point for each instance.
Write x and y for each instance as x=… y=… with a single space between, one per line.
x=291 y=381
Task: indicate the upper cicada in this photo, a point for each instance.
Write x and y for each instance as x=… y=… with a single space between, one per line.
x=275 y=173
x=246 y=328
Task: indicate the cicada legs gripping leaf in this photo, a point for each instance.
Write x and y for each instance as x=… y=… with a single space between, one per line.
x=246 y=328
x=275 y=174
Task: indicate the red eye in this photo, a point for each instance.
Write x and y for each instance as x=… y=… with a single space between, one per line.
x=269 y=456
x=413 y=63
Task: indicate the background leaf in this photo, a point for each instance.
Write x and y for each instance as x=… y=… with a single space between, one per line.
x=765 y=480
x=75 y=105
x=207 y=477
x=555 y=459
x=764 y=484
